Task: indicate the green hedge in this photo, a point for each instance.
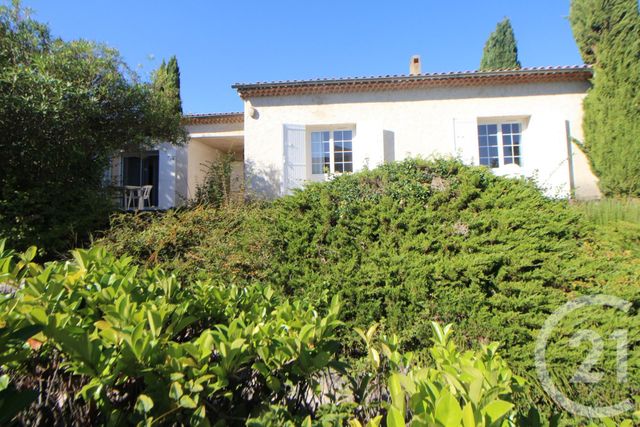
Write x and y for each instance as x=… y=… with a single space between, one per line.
x=410 y=242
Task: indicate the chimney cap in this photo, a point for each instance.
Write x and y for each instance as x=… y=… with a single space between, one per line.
x=415 y=68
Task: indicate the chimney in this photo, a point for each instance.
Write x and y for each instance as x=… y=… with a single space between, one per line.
x=414 y=66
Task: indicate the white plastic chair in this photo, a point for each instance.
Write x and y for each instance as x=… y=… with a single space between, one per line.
x=138 y=196
x=130 y=194
x=144 y=194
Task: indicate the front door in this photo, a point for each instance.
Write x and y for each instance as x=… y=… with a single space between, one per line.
x=142 y=169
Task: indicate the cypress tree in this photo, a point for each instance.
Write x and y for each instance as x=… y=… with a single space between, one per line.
x=501 y=50
x=173 y=74
x=166 y=81
x=612 y=107
x=589 y=21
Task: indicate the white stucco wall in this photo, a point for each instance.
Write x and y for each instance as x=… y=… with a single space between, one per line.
x=199 y=155
x=208 y=143
x=393 y=125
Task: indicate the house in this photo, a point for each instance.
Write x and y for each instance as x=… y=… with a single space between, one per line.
x=518 y=122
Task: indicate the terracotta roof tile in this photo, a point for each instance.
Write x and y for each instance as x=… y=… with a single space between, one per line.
x=212 y=118
x=404 y=82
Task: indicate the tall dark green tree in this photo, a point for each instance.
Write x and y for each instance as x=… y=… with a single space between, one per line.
x=173 y=70
x=608 y=36
x=589 y=20
x=65 y=108
x=166 y=81
x=501 y=49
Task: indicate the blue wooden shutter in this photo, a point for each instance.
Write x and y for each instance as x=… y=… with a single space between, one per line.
x=295 y=158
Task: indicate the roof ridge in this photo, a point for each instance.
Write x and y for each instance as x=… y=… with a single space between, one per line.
x=219 y=114
x=418 y=76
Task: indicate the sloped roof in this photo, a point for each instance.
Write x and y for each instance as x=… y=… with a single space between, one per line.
x=212 y=118
x=404 y=82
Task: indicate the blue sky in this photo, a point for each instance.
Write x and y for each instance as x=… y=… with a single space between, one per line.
x=219 y=43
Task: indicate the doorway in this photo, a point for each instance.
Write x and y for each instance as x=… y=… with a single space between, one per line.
x=140 y=169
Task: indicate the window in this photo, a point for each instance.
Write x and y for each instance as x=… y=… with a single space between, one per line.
x=320 y=152
x=331 y=151
x=499 y=144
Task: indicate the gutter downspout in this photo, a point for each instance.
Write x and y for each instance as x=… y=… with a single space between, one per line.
x=572 y=183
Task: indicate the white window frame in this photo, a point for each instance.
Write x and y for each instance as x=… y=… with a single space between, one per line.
x=332 y=161
x=499 y=123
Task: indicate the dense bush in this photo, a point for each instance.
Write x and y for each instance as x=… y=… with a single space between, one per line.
x=65 y=108
x=133 y=346
x=410 y=242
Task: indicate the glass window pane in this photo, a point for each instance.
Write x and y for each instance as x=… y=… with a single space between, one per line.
x=348 y=167
x=493 y=141
x=507 y=160
x=494 y=162
x=338 y=168
x=515 y=127
x=484 y=152
x=506 y=128
x=348 y=157
x=338 y=157
x=493 y=152
x=492 y=129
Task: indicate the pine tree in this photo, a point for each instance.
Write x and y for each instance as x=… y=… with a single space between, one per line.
x=501 y=50
x=612 y=107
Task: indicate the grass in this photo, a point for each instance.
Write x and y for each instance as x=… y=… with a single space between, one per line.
x=610 y=211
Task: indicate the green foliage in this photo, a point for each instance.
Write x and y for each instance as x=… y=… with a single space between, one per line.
x=610 y=211
x=147 y=350
x=166 y=83
x=460 y=389
x=215 y=190
x=407 y=243
x=608 y=34
x=589 y=20
x=501 y=50
x=65 y=107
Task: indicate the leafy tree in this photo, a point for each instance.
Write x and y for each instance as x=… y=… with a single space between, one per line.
x=501 y=50
x=65 y=108
x=608 y=35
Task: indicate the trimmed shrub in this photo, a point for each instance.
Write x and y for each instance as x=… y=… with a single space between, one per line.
x=414 y=241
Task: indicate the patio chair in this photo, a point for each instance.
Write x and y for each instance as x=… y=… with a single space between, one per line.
x=139 y=196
